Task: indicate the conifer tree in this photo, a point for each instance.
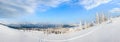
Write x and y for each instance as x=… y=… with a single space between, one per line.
x=97 y=18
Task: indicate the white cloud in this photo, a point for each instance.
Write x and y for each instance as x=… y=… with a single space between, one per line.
x=44 y=5
x=115 y=2
x=115 y=10
x=16 y=7
x=89 y=4
x=12 y=8
x=52 y=3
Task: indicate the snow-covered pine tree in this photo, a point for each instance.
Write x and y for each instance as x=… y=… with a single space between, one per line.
x=97 y=19
x=85 y=25
x=80 y=24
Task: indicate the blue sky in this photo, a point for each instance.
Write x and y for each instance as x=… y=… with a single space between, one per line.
x=56 y=11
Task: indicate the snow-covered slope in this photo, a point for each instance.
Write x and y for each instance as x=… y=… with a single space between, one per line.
x=106 y=32
x=12 y=35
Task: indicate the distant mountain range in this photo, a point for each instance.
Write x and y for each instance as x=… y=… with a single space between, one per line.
x=43 y=26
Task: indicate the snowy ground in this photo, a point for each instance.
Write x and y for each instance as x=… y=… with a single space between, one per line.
x=100 y=33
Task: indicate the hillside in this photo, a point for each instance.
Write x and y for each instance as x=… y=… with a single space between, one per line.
x=105 y=32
